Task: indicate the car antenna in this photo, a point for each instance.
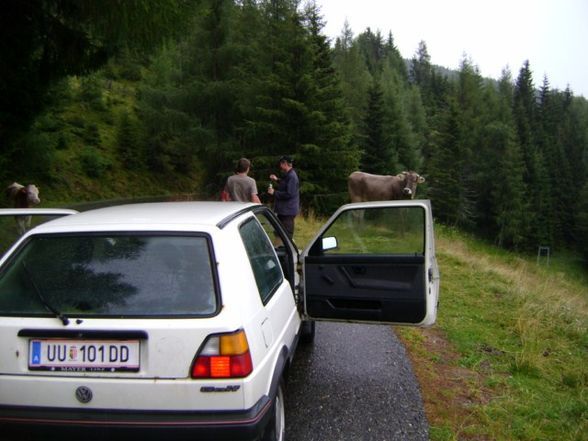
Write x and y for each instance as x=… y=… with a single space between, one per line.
x=45 y=303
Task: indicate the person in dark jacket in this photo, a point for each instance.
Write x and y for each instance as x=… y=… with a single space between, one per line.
x=286 y=195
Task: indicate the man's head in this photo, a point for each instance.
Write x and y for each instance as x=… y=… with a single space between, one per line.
x=243 y=165
x=286 y=163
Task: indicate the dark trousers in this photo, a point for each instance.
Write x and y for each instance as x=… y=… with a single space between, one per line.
x=288 y=224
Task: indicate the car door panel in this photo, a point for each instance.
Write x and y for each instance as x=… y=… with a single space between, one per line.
x=390 y=279
x=376 y=290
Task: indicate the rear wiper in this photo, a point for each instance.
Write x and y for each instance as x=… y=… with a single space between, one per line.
x=45 y=303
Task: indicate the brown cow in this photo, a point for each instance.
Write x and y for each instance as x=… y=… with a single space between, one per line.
x=364 y=187
x=23 y=197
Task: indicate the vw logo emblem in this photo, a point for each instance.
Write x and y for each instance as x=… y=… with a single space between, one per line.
x=84 y=394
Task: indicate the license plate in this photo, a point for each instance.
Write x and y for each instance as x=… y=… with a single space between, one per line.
x=84 y=355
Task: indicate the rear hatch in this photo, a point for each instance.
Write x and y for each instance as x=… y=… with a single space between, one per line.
x=105 y=308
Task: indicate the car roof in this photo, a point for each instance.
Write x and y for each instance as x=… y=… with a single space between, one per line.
x=153 y=214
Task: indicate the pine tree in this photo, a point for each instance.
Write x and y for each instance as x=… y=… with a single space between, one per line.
x=355 y=79
x=402 y=140
x=419 y=124
x=371 y=46
x=501 y=201
x=550 y=114
x=328 y=129
x=444 y=168
x=378 y=156
x=477 y=140
x=420 y=68
x=524 y=110
x=394 y=59
x=574 y=139
x=212 y=89
x=507 y=202
x=536 y=178
x=433 y=88
x=172 y=133
x=278 y=117
x=130 y=142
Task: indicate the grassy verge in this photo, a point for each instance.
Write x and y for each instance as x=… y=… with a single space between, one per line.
x=508 y=357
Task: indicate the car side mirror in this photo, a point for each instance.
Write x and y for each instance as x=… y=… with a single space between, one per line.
x=329 y=243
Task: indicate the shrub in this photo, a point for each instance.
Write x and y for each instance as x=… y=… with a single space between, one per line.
x=93 y=164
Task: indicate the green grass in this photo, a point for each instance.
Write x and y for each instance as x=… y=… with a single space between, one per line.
x=518 y=331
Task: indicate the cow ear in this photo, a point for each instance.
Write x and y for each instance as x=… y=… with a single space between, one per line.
x=421 y=179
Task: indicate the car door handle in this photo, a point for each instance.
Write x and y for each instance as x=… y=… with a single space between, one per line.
x=329 y=279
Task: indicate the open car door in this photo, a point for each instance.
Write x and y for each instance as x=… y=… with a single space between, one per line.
x=374 y=262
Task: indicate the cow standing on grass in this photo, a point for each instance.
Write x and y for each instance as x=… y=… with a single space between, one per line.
x=365 y=187
x=23 y=197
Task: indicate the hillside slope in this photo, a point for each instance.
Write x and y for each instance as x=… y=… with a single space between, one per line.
x=507 y=358
x=85 y=148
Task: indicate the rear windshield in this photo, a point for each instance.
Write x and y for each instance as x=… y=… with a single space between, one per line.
x=110 y=275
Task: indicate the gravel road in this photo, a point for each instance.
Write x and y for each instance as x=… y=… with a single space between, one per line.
x=354 y=383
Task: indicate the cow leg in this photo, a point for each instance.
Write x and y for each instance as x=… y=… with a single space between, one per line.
x=21 y=225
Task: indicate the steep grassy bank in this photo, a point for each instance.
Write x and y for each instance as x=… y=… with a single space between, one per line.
x=86 y=142
x=508 y=357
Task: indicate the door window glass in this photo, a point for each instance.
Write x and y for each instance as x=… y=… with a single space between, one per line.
x=265 y=264
x=390 y=230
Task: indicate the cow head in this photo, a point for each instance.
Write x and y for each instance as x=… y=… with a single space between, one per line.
x=32 y=193
x=410 y=179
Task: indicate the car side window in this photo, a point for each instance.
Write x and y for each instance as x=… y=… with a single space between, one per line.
x=266 y=267
x=395 y=231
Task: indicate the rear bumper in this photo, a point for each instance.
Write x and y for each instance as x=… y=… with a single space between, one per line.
x=18 y=423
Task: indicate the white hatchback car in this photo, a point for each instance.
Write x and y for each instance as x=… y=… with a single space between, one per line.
x=180 y=320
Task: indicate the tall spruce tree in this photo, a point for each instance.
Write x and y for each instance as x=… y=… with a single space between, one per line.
x=420 y=67
x=501 y=206
x=540 y=232
x=214 y=87
x=329 y=131
x=524 y=111
x=444 y=167
x=355 y=79
x=401 y=138
x=371 y=46
x=574 y=138
x=190 y=100
x=378 y=155
x=471 y=104
x=394 y=59
x=276 y=118
x=549 y=125
x=172 y=133
x=508 y=191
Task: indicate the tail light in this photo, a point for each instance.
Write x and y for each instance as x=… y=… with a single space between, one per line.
x=223 y=356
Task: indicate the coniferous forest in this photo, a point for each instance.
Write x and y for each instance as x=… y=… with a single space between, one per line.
x=177 y=90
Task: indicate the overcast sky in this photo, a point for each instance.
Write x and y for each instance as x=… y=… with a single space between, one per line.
x=551 y=34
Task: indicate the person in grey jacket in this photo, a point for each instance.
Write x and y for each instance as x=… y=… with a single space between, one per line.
x=286 y=195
